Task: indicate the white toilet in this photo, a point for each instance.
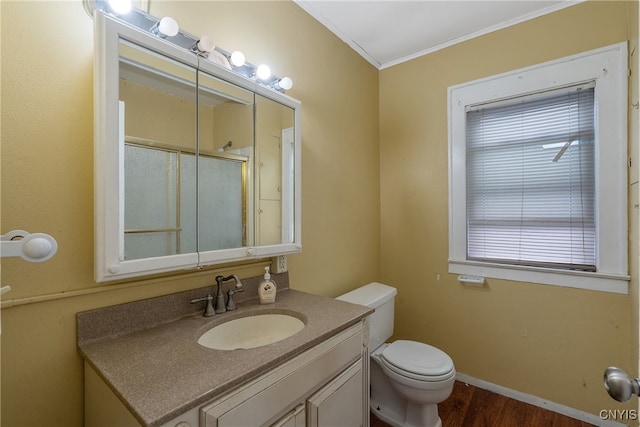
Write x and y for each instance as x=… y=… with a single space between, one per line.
x=408 y=378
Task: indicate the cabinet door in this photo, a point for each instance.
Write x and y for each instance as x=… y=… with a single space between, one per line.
x=339 y=403
x=268 y=397
x=295 y=418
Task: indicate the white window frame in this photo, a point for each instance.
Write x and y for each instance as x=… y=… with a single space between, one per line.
x=607 y=67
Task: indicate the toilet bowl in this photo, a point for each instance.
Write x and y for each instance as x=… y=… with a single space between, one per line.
x=407 y=378
x=420 y=374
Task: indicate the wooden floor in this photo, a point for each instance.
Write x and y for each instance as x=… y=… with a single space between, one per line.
x=469 y=406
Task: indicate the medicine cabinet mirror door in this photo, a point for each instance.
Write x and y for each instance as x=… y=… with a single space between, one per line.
x=144 y=130
x=253 y=136
x=225 y=161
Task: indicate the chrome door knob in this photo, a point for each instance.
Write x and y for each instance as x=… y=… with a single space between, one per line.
x=619 y=385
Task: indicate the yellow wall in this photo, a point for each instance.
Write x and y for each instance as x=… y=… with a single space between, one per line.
x=47 y=178
x=547 y=341
x=374 y=198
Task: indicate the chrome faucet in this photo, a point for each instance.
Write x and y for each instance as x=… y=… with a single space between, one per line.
x=220 y=305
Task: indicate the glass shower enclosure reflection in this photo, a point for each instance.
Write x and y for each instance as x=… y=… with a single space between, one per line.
x=183 y=192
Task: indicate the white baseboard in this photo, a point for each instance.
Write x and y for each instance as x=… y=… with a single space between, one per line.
x=539 y=402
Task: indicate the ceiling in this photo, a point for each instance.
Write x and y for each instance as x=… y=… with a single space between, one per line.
x=388 y=32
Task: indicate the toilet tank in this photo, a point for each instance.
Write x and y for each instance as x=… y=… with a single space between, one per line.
x=381 y=298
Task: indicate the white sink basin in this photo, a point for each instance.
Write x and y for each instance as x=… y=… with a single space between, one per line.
x=251 y=331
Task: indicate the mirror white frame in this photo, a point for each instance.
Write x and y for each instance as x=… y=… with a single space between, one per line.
x=108 y=161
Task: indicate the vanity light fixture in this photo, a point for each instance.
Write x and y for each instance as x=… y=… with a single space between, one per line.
x=166 y=27
x=120 y=7
x=237 y=58
x=115 y=7
x=263 y=72
x=203 y=46
x=284 y=83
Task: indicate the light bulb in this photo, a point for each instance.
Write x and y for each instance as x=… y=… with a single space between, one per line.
x=285 y=83
x=263 y=72
x=168 y=26
x=120 y=7
x=237 y=58
x=205 y=44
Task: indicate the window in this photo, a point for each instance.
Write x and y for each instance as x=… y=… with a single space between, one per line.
x=537 y=173
x=530 y=181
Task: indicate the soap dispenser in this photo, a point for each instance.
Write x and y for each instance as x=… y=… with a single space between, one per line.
x=267 y=289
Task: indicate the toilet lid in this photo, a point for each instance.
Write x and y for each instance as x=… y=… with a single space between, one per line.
x=418 y=358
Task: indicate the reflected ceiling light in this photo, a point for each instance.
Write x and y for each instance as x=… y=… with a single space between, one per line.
x=237 y=58
x=204 y=45
x=263 y=72
x=225 y=146
x=166 y=27
x=559 y=144
x=120 y=7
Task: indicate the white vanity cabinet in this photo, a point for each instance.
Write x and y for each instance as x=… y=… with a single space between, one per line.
x=326 y=385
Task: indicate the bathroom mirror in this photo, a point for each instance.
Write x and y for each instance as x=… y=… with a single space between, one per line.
x=194 y=164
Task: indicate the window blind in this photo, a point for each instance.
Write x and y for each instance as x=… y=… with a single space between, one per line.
x=530 y=178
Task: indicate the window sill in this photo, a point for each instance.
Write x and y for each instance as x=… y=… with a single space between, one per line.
x=604 y=282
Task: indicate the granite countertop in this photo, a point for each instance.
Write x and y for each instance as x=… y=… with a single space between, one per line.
x=160 y=371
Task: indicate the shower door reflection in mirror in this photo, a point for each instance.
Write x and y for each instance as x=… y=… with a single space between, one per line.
x=225 y=150
x=157 y=103
x=185 y=191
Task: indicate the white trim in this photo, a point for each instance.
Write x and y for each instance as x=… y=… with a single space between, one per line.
x=606 y=66
x=539 y=402
x=569 y=279
x=307 y=6
x=482 y=32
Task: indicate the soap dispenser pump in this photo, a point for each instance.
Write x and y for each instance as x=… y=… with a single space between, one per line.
x=267 y=289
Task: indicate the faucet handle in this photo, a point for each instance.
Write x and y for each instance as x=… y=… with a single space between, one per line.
x=231 y=305
x=208 y=310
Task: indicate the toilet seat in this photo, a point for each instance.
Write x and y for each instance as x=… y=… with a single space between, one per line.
x=418 y=361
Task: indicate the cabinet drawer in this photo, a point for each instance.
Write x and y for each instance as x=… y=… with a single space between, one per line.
x=268 y=396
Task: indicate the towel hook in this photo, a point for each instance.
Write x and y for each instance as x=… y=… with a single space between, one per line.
x=36 y=247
